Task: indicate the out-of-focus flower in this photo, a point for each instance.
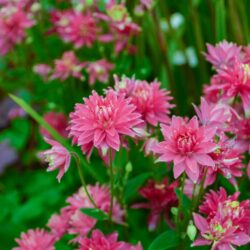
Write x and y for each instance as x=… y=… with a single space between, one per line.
x=16 y=112
x=42 y=70
x=213 y=114
x=149 y=144
x=151 y=102
x=161 y=197
x=67 y=66
x=227 y=161
x=76 y=27
x=99 y=241
x=35 y=239
x=58 y=121
x=122 y=29
x=235 y=81
x=58 y=157
x=13 y=23
x=186 y=145
x=99 y=70
x=223 y=54
x=101 y=196
x=59 y=224
x=226 y=223
x=7 y=155
x=101 y=121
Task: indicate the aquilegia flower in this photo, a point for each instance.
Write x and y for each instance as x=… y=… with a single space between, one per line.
x=42 y=70
x=13 y=23
x=68 y=65
x=187 y=145
x=58 y=121
x=101 y=121
x=99 y=241
x=58 y=157
x=227 y=221
x=161 y=197
x=35 y=239
x=222 y=54
x=99 y=70
x=151 y=102
x=75 y=27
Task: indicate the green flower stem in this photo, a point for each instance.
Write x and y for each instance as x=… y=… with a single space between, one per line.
x=78 y=164
x=180 y=207
x=111 y=184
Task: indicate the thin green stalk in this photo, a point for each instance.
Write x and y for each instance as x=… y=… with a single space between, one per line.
x=111 y=184
x=78 y=164
x=180 y=207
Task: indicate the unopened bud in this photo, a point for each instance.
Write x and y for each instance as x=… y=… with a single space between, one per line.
x=191 y=231
x=129 y=167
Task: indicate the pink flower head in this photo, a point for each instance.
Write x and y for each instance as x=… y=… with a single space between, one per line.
x=13 y=23
x=67 y=66
x=58 y=157
x=35 y=239
x=42 y=70
x=227 y=221
x=101 y=121
x=59 y=224
x=186 y=145
x=151 y=102
x=227 y=161
x=76 y=27
x=99 y=241
x=222 y=54
x=57 y=121
x=99 y=70
x=235 y=81
x=215 y=115
x=161 y=197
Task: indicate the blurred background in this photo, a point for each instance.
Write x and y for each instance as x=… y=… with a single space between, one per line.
x=170 y=48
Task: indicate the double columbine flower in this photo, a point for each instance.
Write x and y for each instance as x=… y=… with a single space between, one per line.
x=187 y=145
x=226 y=223
x=101 y=122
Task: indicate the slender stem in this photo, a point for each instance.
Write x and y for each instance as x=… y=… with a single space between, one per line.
x=111 y=184
x=77 y=160
x=180 y=201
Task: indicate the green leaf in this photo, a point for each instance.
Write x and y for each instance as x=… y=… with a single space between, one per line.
x=134 y=184
x=220 y=19
x=165 y=241
x=95 y=213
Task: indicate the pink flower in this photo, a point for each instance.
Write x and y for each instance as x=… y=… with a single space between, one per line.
x=222 y=54
x=235 y=81
x=227 y=221
x=186 y=145
x=35 y=239
x=99 y=70
x=13 y=23
x=57 y=121
x=67 y=66
x=227 y=161
x=75 y=27
x=101 y=121
x=59 y=224
x=161 y=197
x=42 y=70
x=99 y=241
x=58 y=157
x=150 y=101
x=215 y=115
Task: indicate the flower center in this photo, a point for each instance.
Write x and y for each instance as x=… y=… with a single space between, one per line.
x=186 y=142
x=104 y=115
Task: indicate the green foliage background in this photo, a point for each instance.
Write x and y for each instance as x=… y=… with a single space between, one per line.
x=173 y=54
